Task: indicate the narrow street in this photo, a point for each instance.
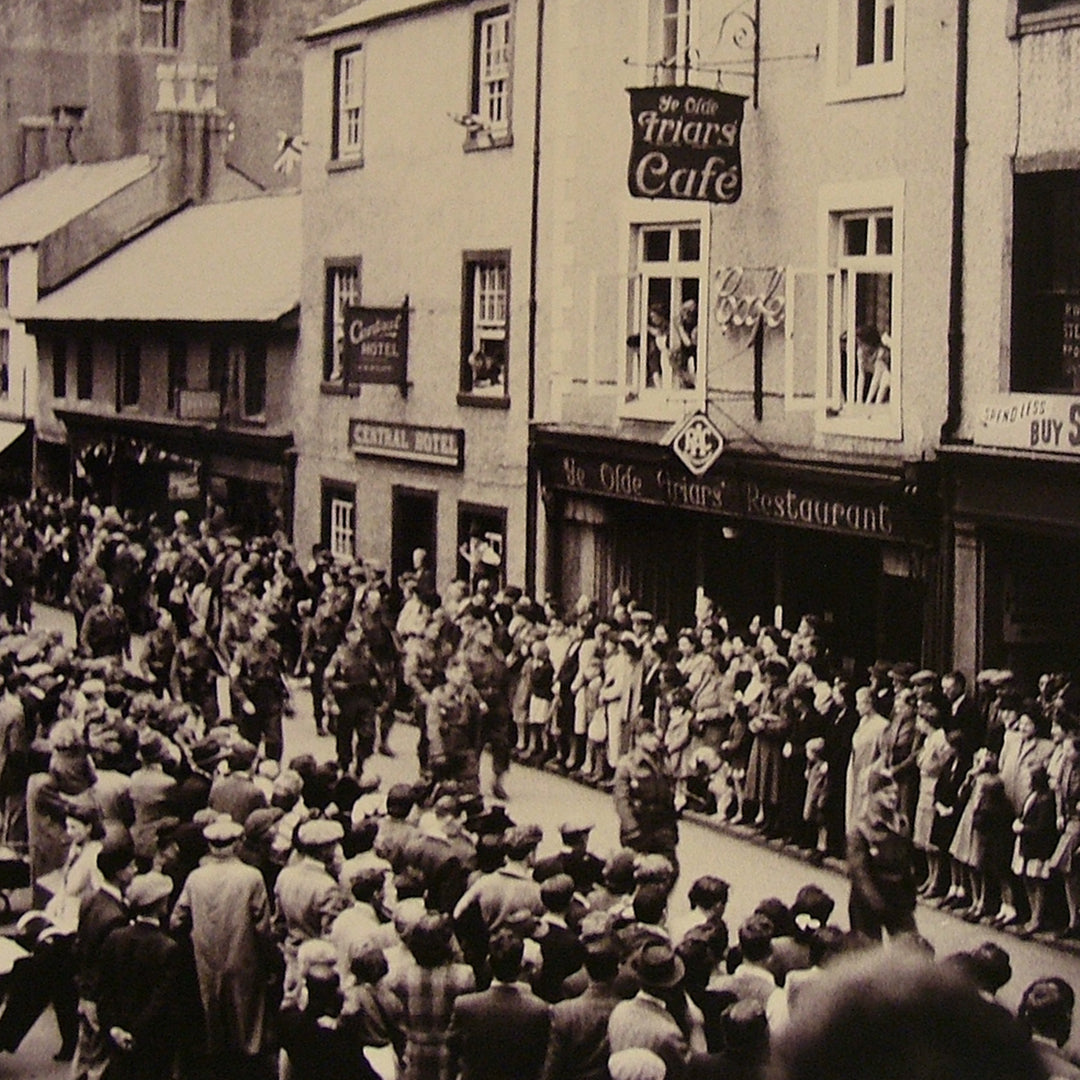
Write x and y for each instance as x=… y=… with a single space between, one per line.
x=754 y=871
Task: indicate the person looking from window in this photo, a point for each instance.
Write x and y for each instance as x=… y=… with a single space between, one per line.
x=875 y=366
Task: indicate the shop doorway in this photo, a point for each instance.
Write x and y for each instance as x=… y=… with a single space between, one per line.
x=414 y=524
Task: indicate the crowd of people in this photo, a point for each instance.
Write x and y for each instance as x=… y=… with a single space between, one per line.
x=211 y=907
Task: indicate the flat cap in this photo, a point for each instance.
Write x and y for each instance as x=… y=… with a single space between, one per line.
x=147 y=889
x=223 y=831
x=320 y=831
x=575 y=827
x=523 y=837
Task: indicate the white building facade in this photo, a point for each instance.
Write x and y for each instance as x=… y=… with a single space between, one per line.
x=417 y=190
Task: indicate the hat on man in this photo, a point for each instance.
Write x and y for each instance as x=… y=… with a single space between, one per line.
x=206 y=754
x=636 y=1063
x=146 y=890
x=223 y=831
x=902 y=671
x=319 y=832
x=879 y=669
x=259 y=825
x=242 y=754
x=925 y=677
x=639 y=616
x=400 y=799
x=575 y=827
x=522 y=839
x=658 y=967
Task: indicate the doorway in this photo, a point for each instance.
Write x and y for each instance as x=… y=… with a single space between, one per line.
x=414 y=525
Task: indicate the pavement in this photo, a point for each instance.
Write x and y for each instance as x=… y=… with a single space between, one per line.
x=755 y=868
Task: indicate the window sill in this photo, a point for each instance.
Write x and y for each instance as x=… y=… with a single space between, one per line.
x=336 y=165
x=479 y=401
x=865 y=422
x=1061 y=17
x=480 y=141
x=872 y=81
x=334 y=389
x=658 y=405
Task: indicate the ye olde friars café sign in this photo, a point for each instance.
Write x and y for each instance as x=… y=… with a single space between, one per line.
x=685 y=144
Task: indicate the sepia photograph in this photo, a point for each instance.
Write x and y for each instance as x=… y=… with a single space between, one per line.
x=539 y=539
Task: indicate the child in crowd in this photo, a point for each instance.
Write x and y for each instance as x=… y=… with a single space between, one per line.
x=817 y=794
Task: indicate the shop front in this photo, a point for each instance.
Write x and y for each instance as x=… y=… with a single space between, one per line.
x=164 y=466
x=761 y=536
x=1016 y=559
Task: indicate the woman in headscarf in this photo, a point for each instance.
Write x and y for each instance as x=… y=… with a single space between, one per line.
x=879 y=864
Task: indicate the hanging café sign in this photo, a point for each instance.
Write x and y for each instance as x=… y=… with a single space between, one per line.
x=686 y=144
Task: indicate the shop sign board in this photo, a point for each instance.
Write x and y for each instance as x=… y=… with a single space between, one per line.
x=444 y=447
x=855 y=512
x=376 y=348
x=1049 y=423
x=685 y=144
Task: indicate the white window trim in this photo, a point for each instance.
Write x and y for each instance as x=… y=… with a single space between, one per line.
x=337 y=300
x=844 y=79
x=494 y=329
x=835 y=200
x=665 y=403
x=487 y=78
x=352 y=152
x=342 y=535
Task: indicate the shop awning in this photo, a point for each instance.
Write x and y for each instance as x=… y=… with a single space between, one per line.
x=10 y=430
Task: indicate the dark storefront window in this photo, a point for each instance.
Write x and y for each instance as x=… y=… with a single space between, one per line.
x=59 y=368
x=129 y=374
x=254 y=379
x=1046 y=283
x=84 y=370
x=178 y=371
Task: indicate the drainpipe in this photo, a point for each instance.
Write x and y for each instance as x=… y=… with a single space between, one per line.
x=532 y=482
x=956 y=257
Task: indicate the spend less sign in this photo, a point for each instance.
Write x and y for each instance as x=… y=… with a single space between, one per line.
x=376 y=345
x=686 y=144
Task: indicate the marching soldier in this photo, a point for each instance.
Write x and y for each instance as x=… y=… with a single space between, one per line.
x=196 y=668
x=259 y=686
x=454 y=714
x=424 y=669
x=644 y=795
x=327 y=630
x=487 y=669
x=356 y=690
x=384 y=652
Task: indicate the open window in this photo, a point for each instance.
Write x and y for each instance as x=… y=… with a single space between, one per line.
x=485 y=327
x=492 y=79
x=664 y=296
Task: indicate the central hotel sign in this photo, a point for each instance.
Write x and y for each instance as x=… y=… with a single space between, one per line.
x=407 y=442
x=805 y=505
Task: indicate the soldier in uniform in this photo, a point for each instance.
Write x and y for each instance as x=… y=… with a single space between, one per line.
x=259 y=687
x=327 y=630
x=644 y=794
x=575 y=860
x=105 y=631
x=487 y=670
x=196 y=667
x=372 y=617
x=424 y=669
x=453 y=720
x=356 y=689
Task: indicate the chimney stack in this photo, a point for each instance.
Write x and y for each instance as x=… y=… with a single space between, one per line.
x=189 y=128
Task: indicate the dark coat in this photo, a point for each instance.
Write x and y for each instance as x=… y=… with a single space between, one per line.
x=499 y=1034
x=99 y=915
x=577 y=1045
x=140 y=967
x=1038 y=827
x=562 y=954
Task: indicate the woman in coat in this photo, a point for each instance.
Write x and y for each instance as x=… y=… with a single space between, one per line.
x=933 y=758
x=769 y=725
x=1066 y=857
x=1036 y=840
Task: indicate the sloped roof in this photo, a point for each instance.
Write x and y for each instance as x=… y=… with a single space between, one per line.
x=369 y=11
x=36 y=208
x=218 y=262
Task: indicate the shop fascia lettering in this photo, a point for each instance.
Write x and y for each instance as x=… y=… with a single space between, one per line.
x=816 y=512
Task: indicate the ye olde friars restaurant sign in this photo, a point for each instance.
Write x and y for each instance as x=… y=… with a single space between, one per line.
x=406 y=442
x=685 y=144
x=804 y=505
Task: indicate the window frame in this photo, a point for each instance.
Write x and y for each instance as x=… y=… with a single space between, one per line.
x=335 y=493
x=128 y=373
x=254 y=374
x=5 y=282
x=170 y=36
x=476 y=329
x=59 y=367
x=176 y=372
x=635 y=400
x=466 y=513
x=333 y=319
x=838 y=204
x=846 y=78
x=1055 y=15
x=84 y=369
x=350 y=155
x=488 y=134
x=5 y=363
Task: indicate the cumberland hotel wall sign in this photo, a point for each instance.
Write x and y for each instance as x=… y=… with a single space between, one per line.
x=686 y=144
